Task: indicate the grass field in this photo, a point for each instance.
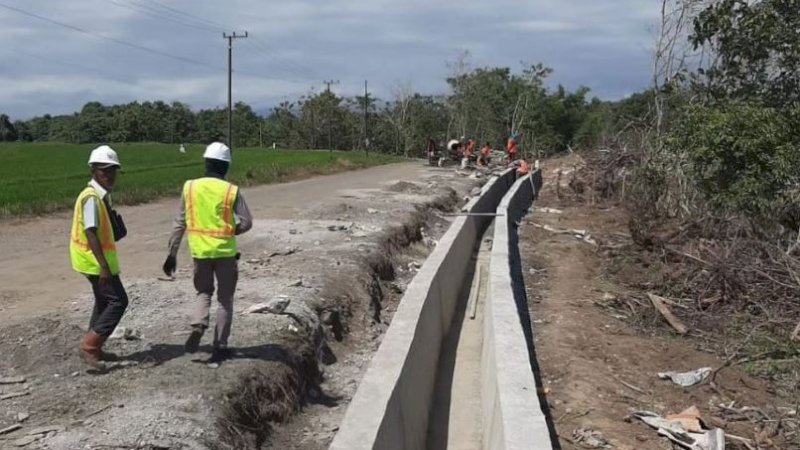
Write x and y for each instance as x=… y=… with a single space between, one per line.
x=41 y=177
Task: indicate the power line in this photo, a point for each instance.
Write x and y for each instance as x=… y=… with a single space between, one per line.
x=169 y=14
x=149 y=12
x=278 y=62
x=107 y=38
x=267 y=48
x=118 y=77
x=129 y=44
x=256 y=44
x=218 y=26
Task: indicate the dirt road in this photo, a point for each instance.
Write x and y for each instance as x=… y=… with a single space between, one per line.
x=34 y=265
x=311 y=247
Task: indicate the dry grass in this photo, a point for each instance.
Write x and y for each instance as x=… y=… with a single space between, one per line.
x=726 y=277
x=267 y=395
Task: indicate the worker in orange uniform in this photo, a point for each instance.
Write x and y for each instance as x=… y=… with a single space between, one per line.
x=213 y=212
x=522 y=168
x=96 y=228
x=511 y=147
x=483 y=157
x=470 y=151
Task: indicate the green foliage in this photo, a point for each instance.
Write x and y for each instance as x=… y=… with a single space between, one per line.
x=743 y=158
x=756 y=46
x=486 y=104
x=7 y=131
x=41 y=177
x=491 y=103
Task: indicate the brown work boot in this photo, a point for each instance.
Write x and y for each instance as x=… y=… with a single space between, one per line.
x=91 y=349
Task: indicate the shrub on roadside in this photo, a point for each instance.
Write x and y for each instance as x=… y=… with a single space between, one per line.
x=743 y=158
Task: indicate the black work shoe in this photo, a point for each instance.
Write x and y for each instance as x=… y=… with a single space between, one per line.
x=218 y=355
x=108 y=356
x=193 y=341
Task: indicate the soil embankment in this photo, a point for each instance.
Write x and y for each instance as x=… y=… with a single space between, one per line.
x=597 y=364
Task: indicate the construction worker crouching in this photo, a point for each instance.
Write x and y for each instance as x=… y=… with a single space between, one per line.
x=213 y=212
x=96 y=228
x=483 y=156
x=522 y=166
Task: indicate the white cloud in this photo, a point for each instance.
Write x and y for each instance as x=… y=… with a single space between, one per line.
x=296 y=44
x=543 y=25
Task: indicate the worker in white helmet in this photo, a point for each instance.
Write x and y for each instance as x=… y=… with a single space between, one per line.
x=96 y=227
x=213 y=212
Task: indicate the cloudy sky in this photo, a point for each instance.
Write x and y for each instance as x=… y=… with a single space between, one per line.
x=60 y=54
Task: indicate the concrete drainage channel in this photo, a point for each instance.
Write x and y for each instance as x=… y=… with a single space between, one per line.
x=392 y=406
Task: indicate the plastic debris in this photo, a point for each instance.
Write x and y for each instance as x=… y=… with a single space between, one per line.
x=590 y=438
x=686 y=379
x=674 y=430
x=550 y=210
x=275 y=306
x=129 y=334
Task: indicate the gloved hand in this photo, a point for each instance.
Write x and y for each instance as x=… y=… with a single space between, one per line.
x=170 y=265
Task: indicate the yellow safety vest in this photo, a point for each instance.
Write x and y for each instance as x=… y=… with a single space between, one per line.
x=83 y=260
x=210 y=223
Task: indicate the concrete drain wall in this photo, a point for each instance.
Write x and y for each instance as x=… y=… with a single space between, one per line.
x=391 y=406
x=512 y=415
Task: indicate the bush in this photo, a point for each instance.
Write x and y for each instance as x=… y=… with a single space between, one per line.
x=743 y=158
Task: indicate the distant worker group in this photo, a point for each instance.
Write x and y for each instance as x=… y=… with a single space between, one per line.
x=463 y=151
x=212 y=213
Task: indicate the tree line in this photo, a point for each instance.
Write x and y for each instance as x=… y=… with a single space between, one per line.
x=725 y=112
x=486 y=104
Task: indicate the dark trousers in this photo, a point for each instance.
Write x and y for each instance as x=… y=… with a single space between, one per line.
x=109 y=305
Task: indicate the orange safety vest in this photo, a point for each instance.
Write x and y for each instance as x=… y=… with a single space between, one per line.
x=512 y=146
x=470 y=147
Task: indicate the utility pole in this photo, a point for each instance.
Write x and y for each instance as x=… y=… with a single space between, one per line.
x=366 y=108
x=328 y=84
x=230 y=38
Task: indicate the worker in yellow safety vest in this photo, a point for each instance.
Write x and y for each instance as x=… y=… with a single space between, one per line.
x=213 y=212
x=93 y=252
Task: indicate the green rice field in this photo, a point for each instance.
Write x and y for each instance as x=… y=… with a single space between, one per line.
x=37 y=178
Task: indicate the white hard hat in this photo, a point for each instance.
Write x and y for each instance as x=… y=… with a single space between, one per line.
x=218 y=151
x=452 y=143
x=104 y=156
